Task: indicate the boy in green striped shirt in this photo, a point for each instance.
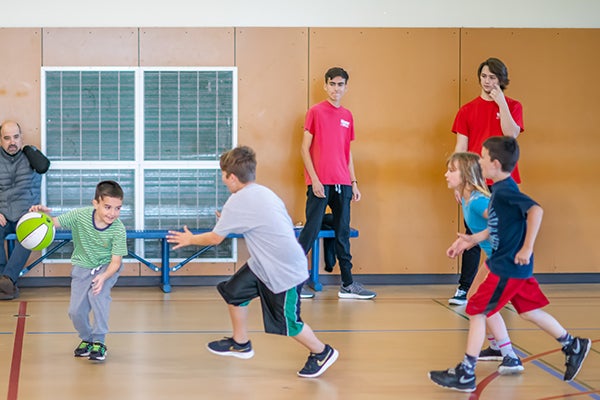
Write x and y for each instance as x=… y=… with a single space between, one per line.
x=99 y=244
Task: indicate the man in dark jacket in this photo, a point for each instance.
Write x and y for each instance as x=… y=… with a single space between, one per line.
x=20 y=181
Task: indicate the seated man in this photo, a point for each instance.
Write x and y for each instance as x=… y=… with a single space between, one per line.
x=19 y=190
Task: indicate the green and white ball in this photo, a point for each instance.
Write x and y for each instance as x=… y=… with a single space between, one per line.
x=35 y=231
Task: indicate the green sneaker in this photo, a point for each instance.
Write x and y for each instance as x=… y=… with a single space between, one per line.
x=98 y=352
x=83 y=350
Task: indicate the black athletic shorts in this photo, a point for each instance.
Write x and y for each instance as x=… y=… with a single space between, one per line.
x=281 y=311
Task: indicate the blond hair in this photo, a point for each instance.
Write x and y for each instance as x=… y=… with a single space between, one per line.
x=470 y=171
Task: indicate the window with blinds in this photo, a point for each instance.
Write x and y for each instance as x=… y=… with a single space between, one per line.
x=159 y=132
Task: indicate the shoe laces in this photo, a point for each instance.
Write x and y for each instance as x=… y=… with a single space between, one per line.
x=98 y=347
x=354 y=287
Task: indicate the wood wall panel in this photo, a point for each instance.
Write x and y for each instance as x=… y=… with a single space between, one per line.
x=206 y=47
x=272 y=96
x=403 y=92
x=20 y=80
x=551 y=72
x=90 y=47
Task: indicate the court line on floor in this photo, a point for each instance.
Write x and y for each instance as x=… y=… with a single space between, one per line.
x=15 y=365
x=582 y=389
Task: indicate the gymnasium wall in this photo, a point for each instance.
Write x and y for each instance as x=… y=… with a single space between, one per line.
x=404 y=90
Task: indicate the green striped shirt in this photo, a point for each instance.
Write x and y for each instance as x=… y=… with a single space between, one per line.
x=93 y=247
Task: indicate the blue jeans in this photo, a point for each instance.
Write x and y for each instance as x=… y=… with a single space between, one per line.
x=338 y=198
x=18 y=257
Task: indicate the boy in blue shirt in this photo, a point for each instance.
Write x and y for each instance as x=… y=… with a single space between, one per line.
x=514 y=220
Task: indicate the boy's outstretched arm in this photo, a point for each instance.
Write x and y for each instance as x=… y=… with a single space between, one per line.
x=44 y=209
x=534 y=221
x=187 y=238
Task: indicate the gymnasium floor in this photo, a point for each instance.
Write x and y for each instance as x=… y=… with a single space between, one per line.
x=156 y=348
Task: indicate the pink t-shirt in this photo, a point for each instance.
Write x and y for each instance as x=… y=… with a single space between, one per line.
x=480 y=119
x=333 y=130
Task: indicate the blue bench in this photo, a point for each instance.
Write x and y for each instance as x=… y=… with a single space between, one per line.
x=63 y=237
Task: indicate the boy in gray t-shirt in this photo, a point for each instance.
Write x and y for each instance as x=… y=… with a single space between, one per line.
x=275 y=271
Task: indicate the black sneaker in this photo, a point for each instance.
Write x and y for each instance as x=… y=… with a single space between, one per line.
x=83 y=350
x=306 y=294
x=318 y=363
x=576 y=352
x=510 y=366
x=489 y=354
x=459 y=298
x=454 y=378
x=98 y=352
x=229 y=347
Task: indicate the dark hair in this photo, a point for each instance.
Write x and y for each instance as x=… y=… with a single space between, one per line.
x=334 y=72
x=108 y=189
x=241 y=162
x=505 y=149
x=497 y=68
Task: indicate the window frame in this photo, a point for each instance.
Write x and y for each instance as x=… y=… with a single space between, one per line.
x=139 y=164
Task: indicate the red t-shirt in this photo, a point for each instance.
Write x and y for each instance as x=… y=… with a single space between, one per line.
x=333 y=130
x=479 y=119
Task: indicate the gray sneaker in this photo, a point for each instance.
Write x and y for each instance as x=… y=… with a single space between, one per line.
x=355 y=291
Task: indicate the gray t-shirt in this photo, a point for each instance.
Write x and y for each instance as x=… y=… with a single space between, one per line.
x=276 y=257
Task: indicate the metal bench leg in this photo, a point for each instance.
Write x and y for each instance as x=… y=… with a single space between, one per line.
x=314 y=268
x=165 y=269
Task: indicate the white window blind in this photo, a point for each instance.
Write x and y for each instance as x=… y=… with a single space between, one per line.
x=159 y=132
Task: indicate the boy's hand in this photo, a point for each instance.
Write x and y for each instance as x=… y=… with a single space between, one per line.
x=523 y=256
x=40 y=208
x=497 y=95
x=181 y=239
x=98 y=284
x=318 y=189
x=355 y=193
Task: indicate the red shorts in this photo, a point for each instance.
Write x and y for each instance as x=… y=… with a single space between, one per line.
x=495 y=292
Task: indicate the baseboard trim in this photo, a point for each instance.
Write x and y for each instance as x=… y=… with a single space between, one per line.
x=325 y=279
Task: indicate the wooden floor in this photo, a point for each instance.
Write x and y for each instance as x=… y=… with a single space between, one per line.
x=156 y=348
